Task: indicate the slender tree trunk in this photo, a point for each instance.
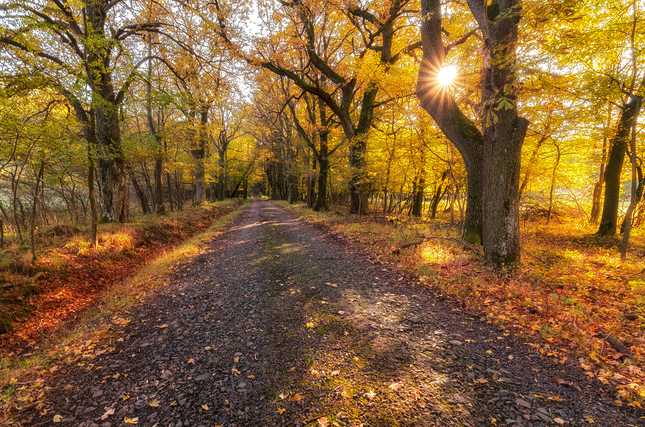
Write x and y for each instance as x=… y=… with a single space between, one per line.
x=94 y=214
x=15 y=180
x=629 y=115
x=557 y=162
x=221 y=185
x=145 y=209
x=311 y=184
x=532 y=160
x=637 y=194
x=597 y=188
x=199 y=155
x=158 y=193
x=32 y=228
x=169 y=185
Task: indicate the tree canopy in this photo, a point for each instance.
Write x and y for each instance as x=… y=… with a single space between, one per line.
x=480 y=113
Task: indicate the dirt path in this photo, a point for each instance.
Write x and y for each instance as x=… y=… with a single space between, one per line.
x=281 y=325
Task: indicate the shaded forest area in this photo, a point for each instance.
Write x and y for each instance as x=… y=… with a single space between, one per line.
x=508 y=128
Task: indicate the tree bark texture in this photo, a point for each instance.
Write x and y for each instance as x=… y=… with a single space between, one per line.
x=503 y=136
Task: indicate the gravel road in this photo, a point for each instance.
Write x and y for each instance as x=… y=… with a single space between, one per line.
x=281 y=324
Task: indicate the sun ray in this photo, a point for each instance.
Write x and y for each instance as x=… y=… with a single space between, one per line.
x=447 y=75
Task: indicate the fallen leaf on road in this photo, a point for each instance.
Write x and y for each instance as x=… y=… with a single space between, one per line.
x=481 y=380
x=281 y=411
x=296 y=398
x=162 y=326
x=310 y=324
x=134 y=420
x=396 y=386
x=559 y=420
x=589 y=420
x=126 y=397
x=284 y=396
x=370 y=394
x=235 y=372
x=323 y=422
x=58 y=418
x=333 y=285
x=205 y=407
x=191 y=361
x=154 y=403
x=107 y=414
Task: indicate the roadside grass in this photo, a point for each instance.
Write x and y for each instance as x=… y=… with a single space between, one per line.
x=570 y=292
x=22 y=375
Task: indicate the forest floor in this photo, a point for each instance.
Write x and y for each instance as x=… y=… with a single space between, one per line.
x=280 y=322
x=572 y=298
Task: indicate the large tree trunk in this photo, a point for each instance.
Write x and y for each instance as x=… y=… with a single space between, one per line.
x=110 y=156
x=458 y=128
x=321 y=201
x=628 y=116
x=492 y=157
x=111 y=164
x=504 y=132
x=358 y=150
x=417 y=206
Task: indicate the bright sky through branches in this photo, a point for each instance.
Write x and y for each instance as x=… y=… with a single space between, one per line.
x=447 y=75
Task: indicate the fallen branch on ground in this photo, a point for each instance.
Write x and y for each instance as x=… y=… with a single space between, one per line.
x=615 y=343
x=452 y=239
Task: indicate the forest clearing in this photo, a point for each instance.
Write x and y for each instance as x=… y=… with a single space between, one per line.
x=486 y=156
